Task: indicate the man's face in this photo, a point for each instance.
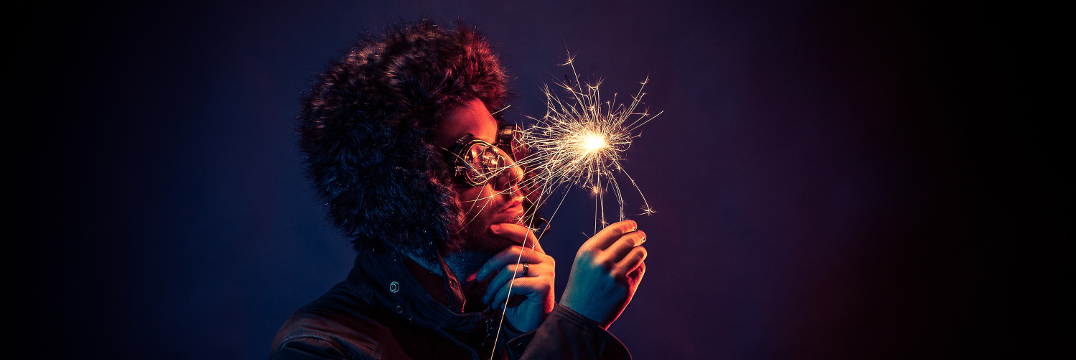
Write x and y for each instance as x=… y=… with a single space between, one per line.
x=499 y=200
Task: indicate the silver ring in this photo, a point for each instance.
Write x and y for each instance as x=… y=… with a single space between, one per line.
x=526 y=269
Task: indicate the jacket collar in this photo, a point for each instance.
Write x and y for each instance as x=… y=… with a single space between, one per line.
x=383 y=279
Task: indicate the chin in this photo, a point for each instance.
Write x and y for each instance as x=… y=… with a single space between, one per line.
x=484 y=240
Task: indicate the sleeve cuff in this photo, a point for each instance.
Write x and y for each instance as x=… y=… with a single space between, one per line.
x=567 y=334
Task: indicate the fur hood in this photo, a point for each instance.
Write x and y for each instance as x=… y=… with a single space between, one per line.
x=364 y=129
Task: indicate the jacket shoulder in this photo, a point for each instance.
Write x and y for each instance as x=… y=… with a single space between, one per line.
x=338 y=325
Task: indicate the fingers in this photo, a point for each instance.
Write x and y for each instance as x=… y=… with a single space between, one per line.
x=622 y=246
x=603 y=239
x=516 y=271
x=537 y=245
x=636 y=275
x=630 y=263
x=517 y=233
x=511 y=255
x=533 y=288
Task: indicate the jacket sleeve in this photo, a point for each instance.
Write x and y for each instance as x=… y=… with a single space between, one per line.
x=306 y=344
x=306 y=348
x=565 y=334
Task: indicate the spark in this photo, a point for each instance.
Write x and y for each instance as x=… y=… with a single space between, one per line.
x=580 y=142
x=591 y=143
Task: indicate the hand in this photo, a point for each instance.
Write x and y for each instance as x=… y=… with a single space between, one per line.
x=532 y=295
x=606 y=273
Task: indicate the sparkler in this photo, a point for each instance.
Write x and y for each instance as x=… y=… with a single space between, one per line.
x=580 y=142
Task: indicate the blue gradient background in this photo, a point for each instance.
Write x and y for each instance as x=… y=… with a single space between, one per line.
x=833 y=180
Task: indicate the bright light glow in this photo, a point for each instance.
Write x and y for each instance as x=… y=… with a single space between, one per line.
x=592 y=142
x=580 y=142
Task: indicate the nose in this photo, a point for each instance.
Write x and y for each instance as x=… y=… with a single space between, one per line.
x=510 y=178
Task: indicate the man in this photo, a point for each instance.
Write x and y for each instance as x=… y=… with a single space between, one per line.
x=402 y=146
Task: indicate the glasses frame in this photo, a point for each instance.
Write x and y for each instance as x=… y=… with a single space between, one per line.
x=508 y=147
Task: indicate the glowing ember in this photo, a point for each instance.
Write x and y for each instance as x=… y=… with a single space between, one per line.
x=591 y=143
x=580 y=141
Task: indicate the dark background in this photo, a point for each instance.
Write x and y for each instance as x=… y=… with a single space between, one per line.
x=831 y=180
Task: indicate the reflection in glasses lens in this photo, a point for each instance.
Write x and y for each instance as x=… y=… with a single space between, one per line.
x=484 y=162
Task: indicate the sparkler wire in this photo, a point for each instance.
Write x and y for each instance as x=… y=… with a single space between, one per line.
x=578 y=142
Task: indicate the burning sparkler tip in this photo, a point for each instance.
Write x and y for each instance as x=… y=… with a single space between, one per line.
x=593 y=142
x=581 y=139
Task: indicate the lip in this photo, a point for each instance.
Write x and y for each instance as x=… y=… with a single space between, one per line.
x=512 y=211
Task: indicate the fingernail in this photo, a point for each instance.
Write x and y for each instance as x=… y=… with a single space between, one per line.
x=495 y=228
x=481 y=275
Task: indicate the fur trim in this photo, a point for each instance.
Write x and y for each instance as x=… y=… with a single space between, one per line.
x=365 y=125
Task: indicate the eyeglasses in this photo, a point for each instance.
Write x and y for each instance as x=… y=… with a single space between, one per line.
x=475 y=162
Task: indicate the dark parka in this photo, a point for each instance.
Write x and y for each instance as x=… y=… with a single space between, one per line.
x=364 y=127
x=382 y=312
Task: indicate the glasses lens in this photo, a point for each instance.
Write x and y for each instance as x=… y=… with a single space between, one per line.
x=510 y=139
x=484 y=162
x=475 y=160
x=519 y=149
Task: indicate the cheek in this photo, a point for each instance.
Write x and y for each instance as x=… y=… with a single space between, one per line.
x=475 y=199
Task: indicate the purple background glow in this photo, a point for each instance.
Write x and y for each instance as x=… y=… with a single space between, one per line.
x=832 y=180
